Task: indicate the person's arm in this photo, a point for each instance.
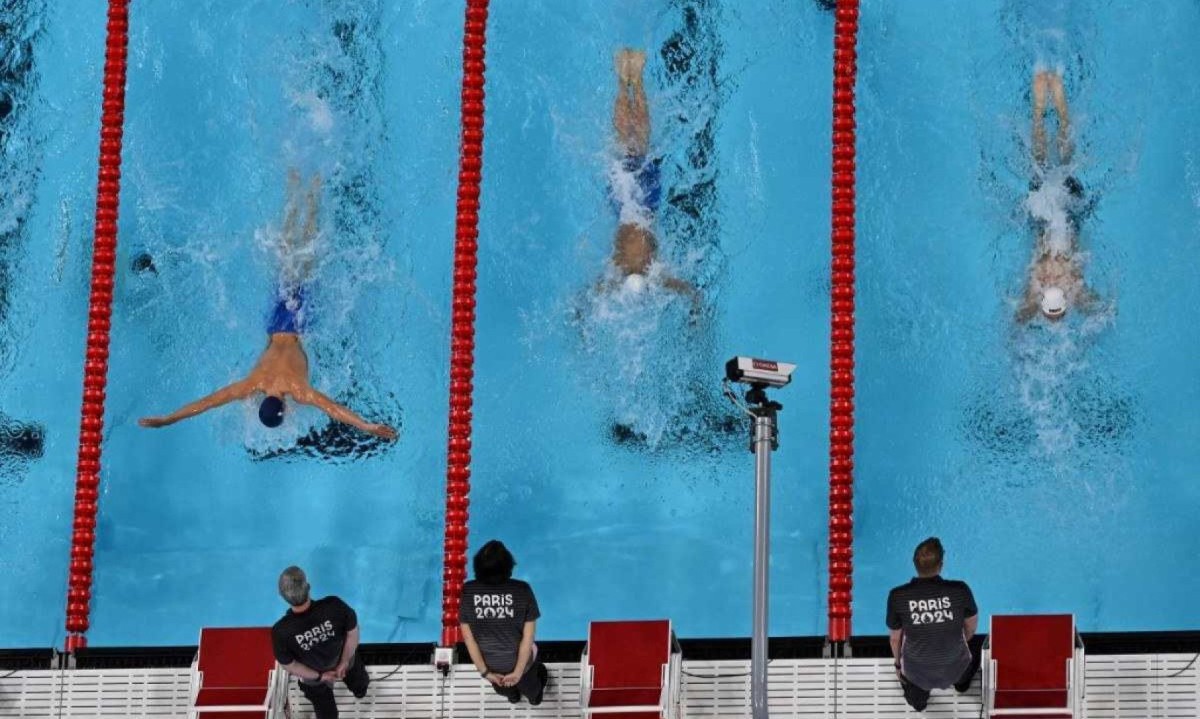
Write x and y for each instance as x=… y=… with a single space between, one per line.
x=238 y=390
x=895 y=637
x=969 y=627
x=524 y=655
x=684 y=288
x=895 y=625
x=303 y=671
x=971 y=614
x=343 y=414
x=348 y=649
x=476 y=655
x=1029 y=306
x=1089 y=301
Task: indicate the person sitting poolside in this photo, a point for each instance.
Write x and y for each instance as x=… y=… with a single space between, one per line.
x=1055 y=282
x=931 y=622
x=282 y=369
x=498 y=616
x=637 y=187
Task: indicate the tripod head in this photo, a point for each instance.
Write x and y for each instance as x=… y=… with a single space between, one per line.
x=756 y=398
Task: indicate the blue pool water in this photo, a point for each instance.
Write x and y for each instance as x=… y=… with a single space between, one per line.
x=1055 y=463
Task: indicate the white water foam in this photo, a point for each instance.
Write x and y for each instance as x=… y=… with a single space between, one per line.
x=628 y=196
x=1051 y=203
x=630 y=329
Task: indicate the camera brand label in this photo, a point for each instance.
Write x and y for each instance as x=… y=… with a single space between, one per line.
x=766 y=364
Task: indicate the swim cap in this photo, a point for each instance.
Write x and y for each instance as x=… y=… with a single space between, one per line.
x=1054 y=302
x=635 y=283
x=271 y=411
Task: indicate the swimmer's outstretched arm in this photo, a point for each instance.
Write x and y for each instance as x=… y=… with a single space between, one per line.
x=343 y=414
x=1029 y=307
x=684 y=288
x=238 y=390
x=1089 y=301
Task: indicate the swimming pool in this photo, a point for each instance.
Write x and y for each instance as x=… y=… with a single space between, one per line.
x=1054 y=464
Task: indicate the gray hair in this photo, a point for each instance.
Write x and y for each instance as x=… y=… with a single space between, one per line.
x=293 y=586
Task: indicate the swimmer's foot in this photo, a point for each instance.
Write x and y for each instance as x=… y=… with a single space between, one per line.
x=621 y=65
x=629 y=64
x=637 y=64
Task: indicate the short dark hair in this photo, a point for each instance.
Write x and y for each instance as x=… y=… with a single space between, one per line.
x=494 y=563
x=928 y=556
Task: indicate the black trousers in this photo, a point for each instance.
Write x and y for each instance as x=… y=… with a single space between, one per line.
x=531 y=686
x=918 y=698
x=321 y=694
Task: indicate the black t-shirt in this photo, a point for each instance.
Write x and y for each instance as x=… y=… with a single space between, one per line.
x=314 y=637
x=930 y=612
x=497 y=614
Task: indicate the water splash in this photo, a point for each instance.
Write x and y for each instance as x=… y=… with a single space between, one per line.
x=633 y=334
x=1050 y=363
x=628 y=195
x=335 y=96
x=1054 y=205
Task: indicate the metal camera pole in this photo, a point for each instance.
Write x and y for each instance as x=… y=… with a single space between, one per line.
x=764 y=439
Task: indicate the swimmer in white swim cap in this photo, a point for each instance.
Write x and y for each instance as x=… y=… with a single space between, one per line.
x=635 y=283
x=1055 y=284
x=635 y=247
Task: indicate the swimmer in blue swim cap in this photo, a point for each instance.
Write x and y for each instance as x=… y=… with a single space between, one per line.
x=281 y=374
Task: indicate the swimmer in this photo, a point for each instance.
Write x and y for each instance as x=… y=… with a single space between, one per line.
x=635 y=248
x=1055 y=281
x=282 y=369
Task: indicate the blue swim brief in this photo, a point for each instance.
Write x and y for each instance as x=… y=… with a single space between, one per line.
x=289 y=313
x=647 y=173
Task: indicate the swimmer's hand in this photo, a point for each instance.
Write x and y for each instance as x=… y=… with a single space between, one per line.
x=381 y=431
x=155 y=421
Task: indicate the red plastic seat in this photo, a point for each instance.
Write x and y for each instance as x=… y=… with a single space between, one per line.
x=630 y=670
x=1034 y=667
x=235 y=675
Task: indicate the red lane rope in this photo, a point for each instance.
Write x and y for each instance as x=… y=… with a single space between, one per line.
x=95 y=369
x=841 y=360
x=462 y=323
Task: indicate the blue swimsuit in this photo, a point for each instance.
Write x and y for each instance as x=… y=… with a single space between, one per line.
x=647 y=173
x=289 y=313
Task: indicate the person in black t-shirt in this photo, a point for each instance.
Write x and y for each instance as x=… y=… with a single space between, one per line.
x=498 y=615
x=317 y=642
x=931 y=622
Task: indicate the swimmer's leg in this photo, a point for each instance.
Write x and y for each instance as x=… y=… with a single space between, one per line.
x=308 y=237
x=298 y=245
x=1049 y=82
x=291 y=206
x=1059 y=94
x=631 y=112
x=1040 y=86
